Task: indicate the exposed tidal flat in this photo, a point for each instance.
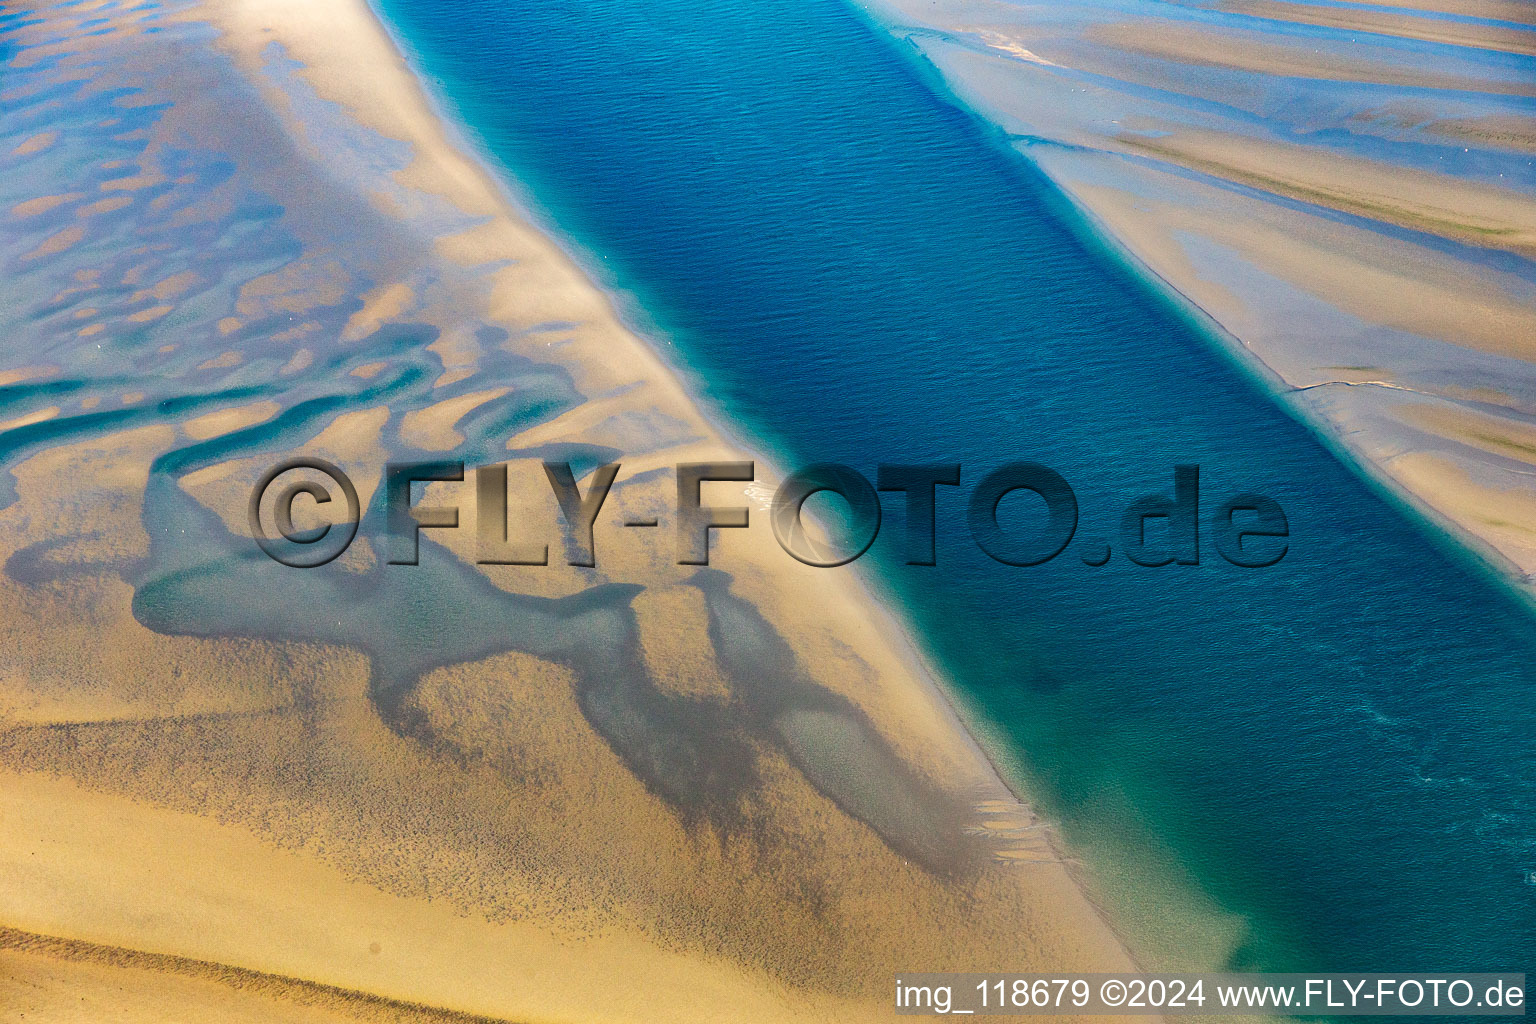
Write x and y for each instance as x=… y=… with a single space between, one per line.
x=1322 y=763
x=642 y=792
x=1347 y=189
x=236 y=231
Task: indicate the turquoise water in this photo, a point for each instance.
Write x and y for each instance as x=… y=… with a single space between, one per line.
x=1331 y=757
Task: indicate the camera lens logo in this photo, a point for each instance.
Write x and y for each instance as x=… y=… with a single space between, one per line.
x=306 y=548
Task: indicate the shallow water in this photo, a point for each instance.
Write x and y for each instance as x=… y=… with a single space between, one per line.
x=1325 y=764
x=136 y=313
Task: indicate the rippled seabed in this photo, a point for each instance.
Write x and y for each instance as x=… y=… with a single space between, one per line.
x=1321 y=764
x=1348 y=189
x=474 y=790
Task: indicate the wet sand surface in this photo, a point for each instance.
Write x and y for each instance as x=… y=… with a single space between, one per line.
x=235 y=232
x=1347 y=190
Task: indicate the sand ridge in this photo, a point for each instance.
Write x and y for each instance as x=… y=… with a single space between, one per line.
x=1355 y=194
x=730 y=794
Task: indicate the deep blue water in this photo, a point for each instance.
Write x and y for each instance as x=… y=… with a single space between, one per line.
x=1334 y=754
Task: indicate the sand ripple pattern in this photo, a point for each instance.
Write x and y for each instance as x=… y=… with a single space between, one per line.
x=1347 y=190
x=234 y=232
